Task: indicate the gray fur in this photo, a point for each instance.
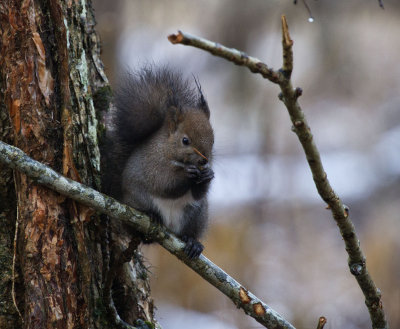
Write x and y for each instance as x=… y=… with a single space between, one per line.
x=151 y=166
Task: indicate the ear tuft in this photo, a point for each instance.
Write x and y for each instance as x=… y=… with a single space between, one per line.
x=202 y=103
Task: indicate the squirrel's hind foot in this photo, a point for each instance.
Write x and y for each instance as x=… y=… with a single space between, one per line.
x=193 y=248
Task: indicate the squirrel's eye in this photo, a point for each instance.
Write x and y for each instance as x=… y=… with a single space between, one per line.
x=185 y=141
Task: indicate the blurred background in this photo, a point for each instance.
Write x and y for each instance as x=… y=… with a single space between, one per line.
x=269 y=228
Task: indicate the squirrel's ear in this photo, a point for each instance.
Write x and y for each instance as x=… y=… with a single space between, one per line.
x=174 y=117
x=202 y=103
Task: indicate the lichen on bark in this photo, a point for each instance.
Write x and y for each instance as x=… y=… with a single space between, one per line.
x=50 y=70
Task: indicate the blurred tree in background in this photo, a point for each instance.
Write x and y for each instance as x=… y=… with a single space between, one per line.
x=269 y=228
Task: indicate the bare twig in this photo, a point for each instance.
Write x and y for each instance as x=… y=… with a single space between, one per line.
x=321 y=322
x=356 y=261
x=233 y=55
x=241 y=297
x=289 y=96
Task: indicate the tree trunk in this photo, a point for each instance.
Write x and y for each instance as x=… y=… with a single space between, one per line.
x=50 y=79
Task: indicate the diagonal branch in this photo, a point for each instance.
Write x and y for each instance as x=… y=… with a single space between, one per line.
x=340 y=213
x=241 y=297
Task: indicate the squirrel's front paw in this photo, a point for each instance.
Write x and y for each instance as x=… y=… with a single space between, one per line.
x=199 y=176
x=206 y=175
x=192 y=171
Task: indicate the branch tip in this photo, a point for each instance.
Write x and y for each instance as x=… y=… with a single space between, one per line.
x=321 y=322
x=287 y=44
x=175 y=38
x=233 y=55
x=285 y=32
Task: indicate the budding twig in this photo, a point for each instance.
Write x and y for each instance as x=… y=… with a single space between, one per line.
x=289 y=96
x=231 y=54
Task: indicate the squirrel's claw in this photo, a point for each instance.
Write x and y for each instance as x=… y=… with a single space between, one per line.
x=193 y=248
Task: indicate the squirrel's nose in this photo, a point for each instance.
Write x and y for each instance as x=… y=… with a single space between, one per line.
x=203 y=162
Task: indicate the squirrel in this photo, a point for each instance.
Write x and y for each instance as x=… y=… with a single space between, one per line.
x=159 y=151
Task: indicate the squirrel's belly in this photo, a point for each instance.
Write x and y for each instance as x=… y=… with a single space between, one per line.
x=172 y=210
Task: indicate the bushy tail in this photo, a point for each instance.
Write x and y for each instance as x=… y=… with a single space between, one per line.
x=142 y=100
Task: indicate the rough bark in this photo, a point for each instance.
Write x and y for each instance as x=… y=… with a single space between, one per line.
x=9 y=317
x=50 y=75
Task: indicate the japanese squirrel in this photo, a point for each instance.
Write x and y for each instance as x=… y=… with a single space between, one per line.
x=160 y=151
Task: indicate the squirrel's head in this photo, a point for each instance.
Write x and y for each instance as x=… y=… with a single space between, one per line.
x=191 y=136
